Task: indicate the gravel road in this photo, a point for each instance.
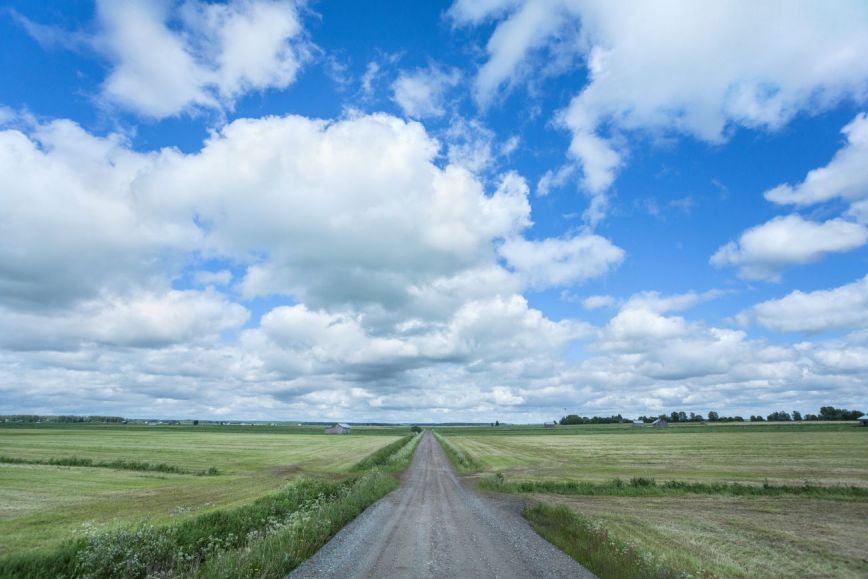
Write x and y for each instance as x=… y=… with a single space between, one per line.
x=434 y=526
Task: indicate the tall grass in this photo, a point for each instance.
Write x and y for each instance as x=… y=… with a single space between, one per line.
x=463 y=461
x=593 y=547
x=118 y=464
x=648 y=487
x=392 y=457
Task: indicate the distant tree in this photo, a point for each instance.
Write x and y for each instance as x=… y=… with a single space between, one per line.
x=195 y=423
x=797 y=416
x=713 y=416
x=757 y=419
x=832 y=413
x=779 y=416
x=497 y=422
x=415 y=429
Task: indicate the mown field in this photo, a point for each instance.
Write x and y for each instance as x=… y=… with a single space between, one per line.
x=42 y=505
x=748 y=500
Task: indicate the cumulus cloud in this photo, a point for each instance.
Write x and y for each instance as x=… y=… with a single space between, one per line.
x=169 y=59
x=72 y=225
x=597 y=302
x=377 y=233
x=397 y=293
x=421 y=93
x=217 y=278
x=840 y=308
x=845 y=177
x=764 y=251
x=140 y=319
x=557 y=262
x=717 y=67
x=399 y=275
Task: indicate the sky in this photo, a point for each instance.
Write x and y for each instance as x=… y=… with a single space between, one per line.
x=473 y=210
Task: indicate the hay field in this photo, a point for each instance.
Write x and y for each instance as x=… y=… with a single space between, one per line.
x=692 y=534
x=783 y=455
x=42 y=505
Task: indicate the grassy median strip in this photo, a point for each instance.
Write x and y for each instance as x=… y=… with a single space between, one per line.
x=392 y=457
x=463 y=461
x=266 y=538
x=649 y=487
x=118 y=464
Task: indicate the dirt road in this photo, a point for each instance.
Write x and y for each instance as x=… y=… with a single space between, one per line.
x=434 y=526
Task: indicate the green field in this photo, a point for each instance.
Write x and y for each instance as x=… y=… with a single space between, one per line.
x=702 y=533
x=42 y=505
x=817 y=453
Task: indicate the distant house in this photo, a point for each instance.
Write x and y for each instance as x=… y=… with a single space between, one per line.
x=638 y=424
x=339 y=428
x=863 y=420
x=549 y=425
x=660 y=423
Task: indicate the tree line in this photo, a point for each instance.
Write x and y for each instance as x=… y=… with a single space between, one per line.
x=60 y=419
x=826 y=413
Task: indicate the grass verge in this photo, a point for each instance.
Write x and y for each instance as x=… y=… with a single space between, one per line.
x=592 y=546
x=648 y=487
x=118 y=464
x=463 y=461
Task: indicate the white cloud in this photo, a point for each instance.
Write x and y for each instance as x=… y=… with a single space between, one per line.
x=376 y=233
x=220 y=52
x=762 y=252
x=840 y=308
x=392 y=264
x=403 y=274
x=554 y=179
x=421 y=93
x=597 y=302
x=141 y=319
x=845 y=177
x=557 y=262
x=655 y=302
x=216 y=278
x=717 y=66
x=72 y=226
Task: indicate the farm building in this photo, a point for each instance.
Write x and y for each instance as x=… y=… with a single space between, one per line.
x=638 y=424
x=339 y=428
x=549 y=425
x=660 y=423
x=863 y=420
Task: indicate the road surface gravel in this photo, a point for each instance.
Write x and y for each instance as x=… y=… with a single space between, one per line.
x=435 y=526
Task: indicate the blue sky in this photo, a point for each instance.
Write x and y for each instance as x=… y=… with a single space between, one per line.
x=432 y=211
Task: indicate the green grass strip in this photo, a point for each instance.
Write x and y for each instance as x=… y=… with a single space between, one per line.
x=648 y=487
x=593 y=547
x=118 y=464
x=463 y=461
x=394 y=456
